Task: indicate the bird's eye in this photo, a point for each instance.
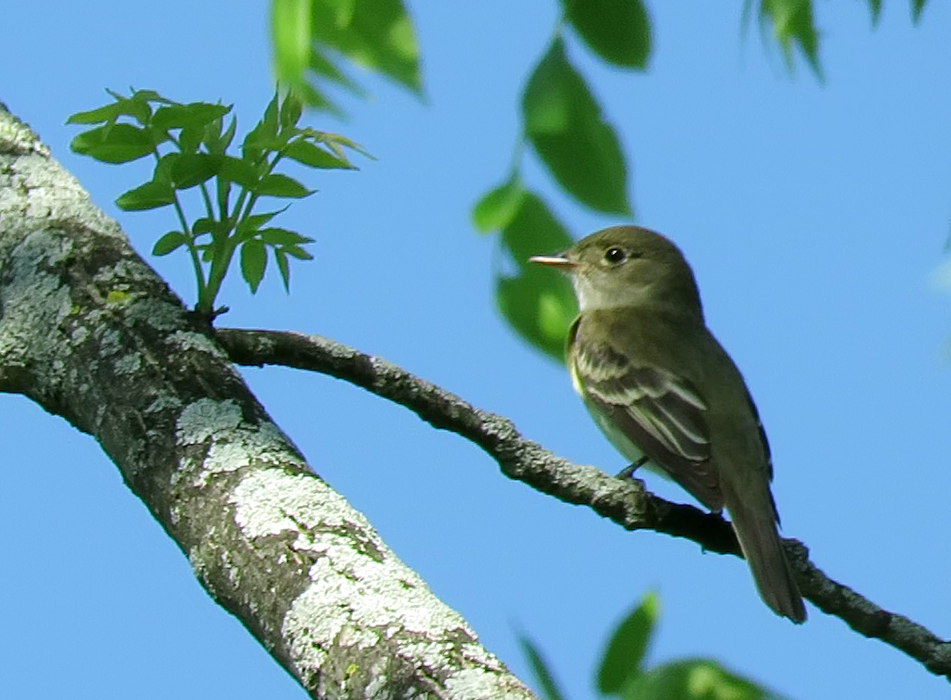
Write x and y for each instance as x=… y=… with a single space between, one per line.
x=615 y=255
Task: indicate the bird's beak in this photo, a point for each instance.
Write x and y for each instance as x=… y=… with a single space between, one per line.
x=559 y=262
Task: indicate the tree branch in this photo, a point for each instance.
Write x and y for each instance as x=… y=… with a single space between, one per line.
x=89 y=332
x=626 y=502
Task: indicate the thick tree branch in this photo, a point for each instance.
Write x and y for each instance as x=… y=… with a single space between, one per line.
x=625 y=502
x=89 y=332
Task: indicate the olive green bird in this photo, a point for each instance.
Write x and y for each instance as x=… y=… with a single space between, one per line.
x=661 y=388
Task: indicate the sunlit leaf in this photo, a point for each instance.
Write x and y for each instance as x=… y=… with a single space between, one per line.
x=253 y=262
x=540 y=670
x=282 y=237
x=115 y=143
x=617 y=30
x=169 y=242
x=621 y=661
x=290 y=38
x=498 y=206
x=309 y=154
x=151 y=195
x=281 y=186
x=193 y=169
x=539 y=306
x=374 y=34
x=792 y=24
x=533 y=230
x=194 y=114
x=239 y=171
x=564 y=125
x=696 y=679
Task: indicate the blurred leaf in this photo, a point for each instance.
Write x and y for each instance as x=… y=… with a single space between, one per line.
x=540 y=670
x=916 y=7
x=564 y=124
x=253 y=261
x=309 y=154
x=497 y=207
x=193 y=169
x=791 y=22
x=539 y=305
x=169 y=242
x=281 y=186
x=617 y=30
x=323 y=66
x=151 y=195
x=875 y=9
x=374 y=34
x=621 y=662
x=115 y=143
x=290 y=39
x=533 y=230
x=194 y=114
x=694 y=680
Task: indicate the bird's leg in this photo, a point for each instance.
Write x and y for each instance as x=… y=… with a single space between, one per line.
x=629 y=470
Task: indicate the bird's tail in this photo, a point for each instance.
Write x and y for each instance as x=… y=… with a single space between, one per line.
x=755 y=529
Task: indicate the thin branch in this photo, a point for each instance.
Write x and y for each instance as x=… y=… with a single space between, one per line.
x=626 y=502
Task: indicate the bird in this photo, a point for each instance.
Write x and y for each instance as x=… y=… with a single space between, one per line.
x=664 y=391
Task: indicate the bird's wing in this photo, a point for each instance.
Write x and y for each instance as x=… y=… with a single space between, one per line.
x=663 y=414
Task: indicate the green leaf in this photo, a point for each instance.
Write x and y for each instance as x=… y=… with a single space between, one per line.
x=916 y=7
x=696 y=679
x=291 y=109
x=285 y=269
x=533 y=230
x=194 y=114
x=204 y=225
x=151 y=195
x=269 y=122
x=875 y=9
x=169 y=242
x=791 y=22
x=281 y=186
x=256 y=221
x=239 y=171
x=539 y=306
x=163 y=167
x=622 y=658
x=324 y=67
x=543 y=675
x=290 y=37
x=110 y=112
x=309 y=154
x=498 y=206
x=564 y=125
x=282 y=237
x=374 y=34
x=297 y=252
x=190 y=137
x=253 y=261
x=195 y=168
x=617 y=30
x=115 y=143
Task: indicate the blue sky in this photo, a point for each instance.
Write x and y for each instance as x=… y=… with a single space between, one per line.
x=814 y=215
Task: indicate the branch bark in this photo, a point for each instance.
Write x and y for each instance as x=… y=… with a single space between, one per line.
x=626 y=502
x=89 y=332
